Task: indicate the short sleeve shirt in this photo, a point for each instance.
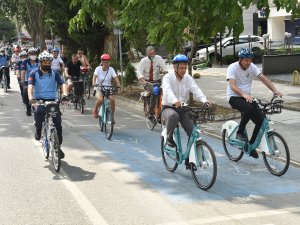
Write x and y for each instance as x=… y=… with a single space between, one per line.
x=105 y=77
x=56 y=63
x=243 y=78
x=143 y=69
x=74 y=69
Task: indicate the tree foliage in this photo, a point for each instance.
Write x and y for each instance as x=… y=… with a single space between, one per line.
x=7 y=29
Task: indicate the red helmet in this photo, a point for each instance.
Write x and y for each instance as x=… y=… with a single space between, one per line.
x=105 y=57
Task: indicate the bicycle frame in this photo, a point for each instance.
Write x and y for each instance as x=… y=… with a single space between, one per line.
x=105 y=104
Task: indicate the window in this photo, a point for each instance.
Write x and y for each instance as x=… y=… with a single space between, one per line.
x=297 y=30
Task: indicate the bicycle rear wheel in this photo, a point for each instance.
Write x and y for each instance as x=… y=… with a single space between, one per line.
x=81 y=105
x=205 y=173
x=45 y=143
x=278 y=161
x=109 y=125
x=149 y=123
x=169 y=158
x=55 y=150
x=232 y=152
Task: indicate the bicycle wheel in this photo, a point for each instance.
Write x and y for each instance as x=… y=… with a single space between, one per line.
x=87 y=89
x=149 y=123
x=232 y=152
x=45 y=143
x=4 y=83
x=81 y=105
x=109 y=125
x=205 y=174
x=169 y=158
x=55 y=150
x=277 y=162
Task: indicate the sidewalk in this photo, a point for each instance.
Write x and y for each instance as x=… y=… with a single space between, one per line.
x=213 y=83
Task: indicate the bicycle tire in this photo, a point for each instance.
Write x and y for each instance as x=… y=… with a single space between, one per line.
x=55 y=150
x=232 y=152
x=76 y=105
x=149 y=123
x=172 y=166
x=209 y=163
x=45 y=142
x=4 y=82
x=109 y=124
x=281 y=155
x=87 y=90
x=81 y=105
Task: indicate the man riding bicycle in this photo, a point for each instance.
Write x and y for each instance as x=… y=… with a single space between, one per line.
x=57 y=63
x=176 y=87
x=72 y=71
x=4 y=61
x=149 y=70
x=44 y=83
x=240 y=76
x=103 y=75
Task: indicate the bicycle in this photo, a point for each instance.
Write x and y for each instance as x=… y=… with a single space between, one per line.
x=86 y=82
x=146 y=97
x=4 y=78
x=78 y=96
x=201 y=156
x=106 y=117
x=49 y=137
x=272 y=144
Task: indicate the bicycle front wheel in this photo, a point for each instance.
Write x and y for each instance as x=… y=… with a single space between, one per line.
x=45 y=143
x=278 y=160
x=109 y=125
x=169 y=158
x=87 y=90
x=149 y=123
x=205 y=173
x=55 y=150
x=232 y=152
x=4 y=83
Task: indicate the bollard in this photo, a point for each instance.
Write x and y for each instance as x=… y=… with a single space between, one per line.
x=296 y=77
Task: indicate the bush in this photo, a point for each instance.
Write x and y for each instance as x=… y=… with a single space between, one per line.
x=228 y=59
x=130 y=75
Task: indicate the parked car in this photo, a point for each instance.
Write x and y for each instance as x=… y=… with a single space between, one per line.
x=187 y=49
x=227 y=47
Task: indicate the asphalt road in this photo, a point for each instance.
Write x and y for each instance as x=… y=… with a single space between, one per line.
x=123 y=181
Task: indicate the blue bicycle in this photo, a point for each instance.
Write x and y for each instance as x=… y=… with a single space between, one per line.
x=106 y=117
x=274 y=148
x=199 y=155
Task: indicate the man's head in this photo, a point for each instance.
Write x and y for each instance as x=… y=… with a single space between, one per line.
x=245 y=57
x=150 y=52
x=2 y=51
x=180 y=64
x=105 y=60
x=32 y=52
x=45 y=59
x=16 y=50
x=23 y=55
x=55 y=52
x=80 y=51
x=74 y=59
x=63 y=54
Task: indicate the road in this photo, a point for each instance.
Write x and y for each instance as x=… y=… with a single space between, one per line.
x=123 y=181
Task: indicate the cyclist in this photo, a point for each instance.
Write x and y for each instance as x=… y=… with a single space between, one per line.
x=82 y=58
x=149 y=70
x=239 y=76
x=4 y=61
x=57 y=63
x=23 y=57
x=176 y=87
x=15 y=58
x=72 y=71
x=44 y=82
x=28 y=65
x=103 y=75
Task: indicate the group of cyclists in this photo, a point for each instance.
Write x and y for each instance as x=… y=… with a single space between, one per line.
x=38 y=76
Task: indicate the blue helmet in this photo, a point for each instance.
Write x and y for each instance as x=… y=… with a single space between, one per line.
x=180 y=58
x=245 y=53
x=55 y=49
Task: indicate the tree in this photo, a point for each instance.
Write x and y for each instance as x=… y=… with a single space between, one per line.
x=7 y=29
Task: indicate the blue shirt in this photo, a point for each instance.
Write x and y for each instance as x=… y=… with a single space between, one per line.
x=28 y=67
x=18 y=65
x=4 y=60
x=45 y=84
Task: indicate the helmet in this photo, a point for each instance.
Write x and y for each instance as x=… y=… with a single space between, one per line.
x=105 y=57
x=2 y=49
x=45 y=56
x=245 y=53
x=55 y=49
x=180 y=58
x=23 y=53
x=32 y=50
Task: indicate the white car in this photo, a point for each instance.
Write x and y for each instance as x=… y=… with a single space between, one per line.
x=227 y=47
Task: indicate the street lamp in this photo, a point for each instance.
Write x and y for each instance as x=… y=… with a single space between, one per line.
x=119 y=32
x=249 y=41
x=266 y=43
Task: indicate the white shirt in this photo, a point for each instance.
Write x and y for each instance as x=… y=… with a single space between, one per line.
x=143 y=69
x=179 y=90
x=243 y=78
x=104 y=77
x=15 y=58
x=56 y=63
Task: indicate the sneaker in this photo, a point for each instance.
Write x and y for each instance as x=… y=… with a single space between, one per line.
x=254 y=154
x=241 y=137
x=37 y=134
x=62 y=154
x=171 y=143
x=95 y=113
x=8 y=87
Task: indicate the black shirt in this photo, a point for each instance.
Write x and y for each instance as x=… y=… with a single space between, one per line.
x=73 y=69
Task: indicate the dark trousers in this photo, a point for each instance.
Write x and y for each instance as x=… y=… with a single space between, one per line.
x=25 y=94
x=6 y=74
x=248 y=111
x=39 y=118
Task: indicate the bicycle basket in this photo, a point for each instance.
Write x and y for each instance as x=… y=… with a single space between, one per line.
x=78 y=88
x=51 y=109
x=200 y=114
x=275 y=107
x=109 y=90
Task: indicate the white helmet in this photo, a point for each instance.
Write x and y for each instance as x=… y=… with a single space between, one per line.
x=2 y=49
x=32 y=50
x=45 y=56
x=23 y=53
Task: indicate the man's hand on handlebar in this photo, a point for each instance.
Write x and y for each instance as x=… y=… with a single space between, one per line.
x=277 y=94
